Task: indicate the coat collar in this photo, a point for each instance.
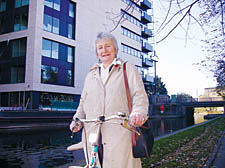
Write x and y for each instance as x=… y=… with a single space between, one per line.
x=118 y=62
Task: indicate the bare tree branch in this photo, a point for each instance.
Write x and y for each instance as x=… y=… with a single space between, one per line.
x=121 y=15
x=167 y=15
x=188 y=6
x=179 y=22
x=188 y=25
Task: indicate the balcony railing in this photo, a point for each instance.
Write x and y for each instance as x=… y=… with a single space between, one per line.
x=145 y=5
x=146 y=47
x=145 y=18
x=148 y=78
x=147 y=62
x=146 y=32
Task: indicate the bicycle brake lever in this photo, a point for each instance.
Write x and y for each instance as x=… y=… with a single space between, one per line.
x=126 y=125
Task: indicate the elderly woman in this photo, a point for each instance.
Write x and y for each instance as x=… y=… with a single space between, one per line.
x=104 y=94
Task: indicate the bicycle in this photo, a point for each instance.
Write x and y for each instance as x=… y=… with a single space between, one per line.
x=94 y=137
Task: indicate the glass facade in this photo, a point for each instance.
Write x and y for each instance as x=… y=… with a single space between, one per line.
x=2 y=5
x=59 y=19
x=12 y=61
x=16 y=18
x=55 y=4
x=49 y=74
x=57 y=59
x=57 y=69
x=19 y=3
x=18 y=48
x=17 y=74
x=71 y=10
x=50 y=49
x=51 y=24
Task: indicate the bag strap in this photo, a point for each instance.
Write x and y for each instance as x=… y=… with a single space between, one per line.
x=134 y=136
x=127 y=88
x=128 y=95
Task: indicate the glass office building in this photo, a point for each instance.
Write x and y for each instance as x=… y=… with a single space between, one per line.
x=47 y=47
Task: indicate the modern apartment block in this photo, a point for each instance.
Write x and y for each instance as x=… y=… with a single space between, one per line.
x=47 y=47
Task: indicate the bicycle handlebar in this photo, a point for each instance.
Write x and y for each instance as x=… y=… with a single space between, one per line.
x=101 y=119
x=120 y=115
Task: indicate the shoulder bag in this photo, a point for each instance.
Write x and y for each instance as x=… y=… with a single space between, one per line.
x=141 y=145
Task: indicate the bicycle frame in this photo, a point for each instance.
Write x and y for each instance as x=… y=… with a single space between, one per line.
x=94 y=138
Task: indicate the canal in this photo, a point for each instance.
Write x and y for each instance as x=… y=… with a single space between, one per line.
x=46 y=148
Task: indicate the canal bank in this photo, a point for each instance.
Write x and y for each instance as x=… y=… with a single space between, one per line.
x=202 y=145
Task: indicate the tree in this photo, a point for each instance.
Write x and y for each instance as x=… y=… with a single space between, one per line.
x=158 y=88
x=215 y=60
x=213 y=19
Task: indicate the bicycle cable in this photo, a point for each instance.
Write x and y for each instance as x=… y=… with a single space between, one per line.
x=85 y=134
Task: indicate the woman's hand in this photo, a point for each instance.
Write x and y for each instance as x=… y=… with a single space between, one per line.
x=137 y=119
x=75 y=126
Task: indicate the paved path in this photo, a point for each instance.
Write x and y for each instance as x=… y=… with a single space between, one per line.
x=217 y=159
x=220 y=157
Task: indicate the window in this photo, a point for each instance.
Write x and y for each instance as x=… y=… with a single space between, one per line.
x=51 y=24
x=70 y=54
x=19 y=3
x=71 y=10
x=50 y=49
x=25 y=2
x=46 y=48
x=55 y=4
x=47 y=23
x=24 y=21
x=69 y=77
x=2 y=28
x=131 y=51
x=55 y=50
x=20 y=22
x=3 y=47
x=49 y=3
x=19 y=48
x=49 y=74
x=130 y=34
x=17 y=75
x=2 y=5
x=17 y=23
x=131 y=19
x=70 y=31
x=55 y=25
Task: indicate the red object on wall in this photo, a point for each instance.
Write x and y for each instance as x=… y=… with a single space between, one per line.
x=162 y=109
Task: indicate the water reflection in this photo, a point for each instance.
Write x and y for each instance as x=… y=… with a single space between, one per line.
x=162 y=126
x=47 y=148
x=35 y=149
x=199 y=117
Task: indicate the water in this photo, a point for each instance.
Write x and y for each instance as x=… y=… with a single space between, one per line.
x=47 y=148
x=35 y=148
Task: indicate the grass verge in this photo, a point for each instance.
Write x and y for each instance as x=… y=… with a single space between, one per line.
x=190 y=148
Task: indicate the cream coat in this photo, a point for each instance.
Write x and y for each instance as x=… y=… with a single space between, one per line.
x=107 y=99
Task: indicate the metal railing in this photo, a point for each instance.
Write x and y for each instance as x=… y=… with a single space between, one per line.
x=203 y=99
